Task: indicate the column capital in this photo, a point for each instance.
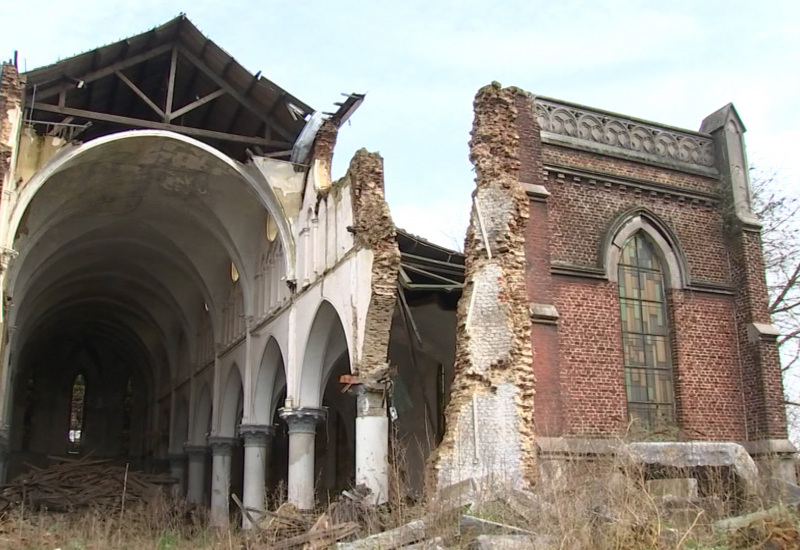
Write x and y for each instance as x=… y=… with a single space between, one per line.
x=176 y=456
x=256 y=435
x=221 y=446
x=303 y=419
x=195 y=450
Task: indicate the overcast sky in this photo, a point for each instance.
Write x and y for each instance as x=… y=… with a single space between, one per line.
x=421 y=63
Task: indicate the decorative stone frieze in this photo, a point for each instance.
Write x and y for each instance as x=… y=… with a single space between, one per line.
x=610 y=133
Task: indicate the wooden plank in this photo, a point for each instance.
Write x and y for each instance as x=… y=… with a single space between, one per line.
x=106 y=71
x=56 y=129
x=141 y=94
x=173 y=67
x=128 y=121
x=195 y=104
x=236 y=95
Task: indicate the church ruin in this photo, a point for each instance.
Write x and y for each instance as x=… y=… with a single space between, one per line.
x=184 y=286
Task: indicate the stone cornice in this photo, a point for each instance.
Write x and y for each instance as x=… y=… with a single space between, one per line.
x=599 y=180
x=608 y=133
x=597 y=273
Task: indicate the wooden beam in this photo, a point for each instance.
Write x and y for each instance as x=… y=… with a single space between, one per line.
x=195 y=104
x=141 y=94
x=236 y=95
x=173 y=67
x=56 y=129
x=128 y=121
x=106 y=71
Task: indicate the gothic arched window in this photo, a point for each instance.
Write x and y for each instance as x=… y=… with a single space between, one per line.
x=645 y=336
x=77 y=402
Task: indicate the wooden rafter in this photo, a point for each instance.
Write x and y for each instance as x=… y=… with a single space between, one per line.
x=233 y=93
x=141 y=94
x=106 y=71
x=128 y=121
x=173 y=68
x=195 y=104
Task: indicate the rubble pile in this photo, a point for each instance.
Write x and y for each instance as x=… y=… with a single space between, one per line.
x=81 y=484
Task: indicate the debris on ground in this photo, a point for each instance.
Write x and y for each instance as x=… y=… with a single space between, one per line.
x=81 y=484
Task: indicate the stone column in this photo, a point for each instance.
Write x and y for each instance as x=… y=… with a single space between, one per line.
x=257 y=440
x=196 y=484
x=4 y=454
x=302 y=424
x=221 y=451
x=372 y=444
x=177 y=469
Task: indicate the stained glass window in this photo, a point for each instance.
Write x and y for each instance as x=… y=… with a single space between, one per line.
x=645 y=336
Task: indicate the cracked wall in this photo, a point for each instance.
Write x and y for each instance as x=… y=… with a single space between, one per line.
x=490 y=432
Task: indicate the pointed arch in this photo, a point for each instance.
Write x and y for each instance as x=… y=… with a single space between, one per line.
x=325 y=344
x=202 y=417
x=271 y=376
x=664 y=241
x=231 y=401
x=180 y=426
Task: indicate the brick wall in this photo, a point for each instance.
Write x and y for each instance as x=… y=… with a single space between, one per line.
x=727 y=386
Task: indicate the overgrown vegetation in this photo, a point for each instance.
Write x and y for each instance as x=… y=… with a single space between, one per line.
x=590 y=502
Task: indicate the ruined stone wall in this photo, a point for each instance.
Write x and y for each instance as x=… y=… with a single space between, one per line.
x=375 y=230
x=12 y=92
x=490 y=430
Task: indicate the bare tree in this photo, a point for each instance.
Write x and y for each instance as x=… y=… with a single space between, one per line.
x=778 y=212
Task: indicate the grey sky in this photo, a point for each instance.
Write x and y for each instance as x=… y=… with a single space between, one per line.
x=422 y=62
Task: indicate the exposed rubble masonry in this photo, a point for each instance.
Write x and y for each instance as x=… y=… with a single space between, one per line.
x=375 y=230
x=12 y=90
x=322 y=154
x=490 y=431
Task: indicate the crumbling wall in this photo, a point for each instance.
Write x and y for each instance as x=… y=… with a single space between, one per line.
x=322 y=154
x=375 y=230
x=490 y=432
x=12 y=91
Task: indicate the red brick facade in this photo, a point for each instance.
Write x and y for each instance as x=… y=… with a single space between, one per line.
x=727 y=382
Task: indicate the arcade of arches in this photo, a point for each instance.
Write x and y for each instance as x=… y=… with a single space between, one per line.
x=185 y=288
x=153 y=321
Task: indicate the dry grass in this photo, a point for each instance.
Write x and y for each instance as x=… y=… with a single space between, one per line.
x=597 y=504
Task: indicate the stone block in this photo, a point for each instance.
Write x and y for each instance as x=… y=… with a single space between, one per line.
x=473 y=525
x=738 y=522
x=409 y=533
x=512 y=542
x=699 y=454
x=433 y=544
x=685 y=487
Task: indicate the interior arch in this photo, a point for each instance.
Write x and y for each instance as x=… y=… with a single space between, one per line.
x=125 y=246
